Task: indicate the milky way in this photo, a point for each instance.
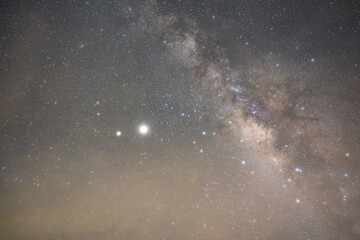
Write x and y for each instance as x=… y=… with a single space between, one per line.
x=180 y=120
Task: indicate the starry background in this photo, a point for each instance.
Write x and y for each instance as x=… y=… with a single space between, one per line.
x=252 y=108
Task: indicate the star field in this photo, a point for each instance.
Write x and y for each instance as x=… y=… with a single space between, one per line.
x=180 y=120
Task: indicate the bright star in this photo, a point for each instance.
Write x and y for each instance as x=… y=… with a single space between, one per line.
x=118 y=133
x=143 y=129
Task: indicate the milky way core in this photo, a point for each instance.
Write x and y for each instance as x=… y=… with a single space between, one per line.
x=180 y=120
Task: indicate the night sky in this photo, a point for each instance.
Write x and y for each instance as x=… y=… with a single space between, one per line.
x=180 y=120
